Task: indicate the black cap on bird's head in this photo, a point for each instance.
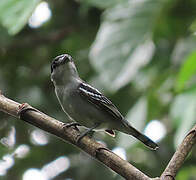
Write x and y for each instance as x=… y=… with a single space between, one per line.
x=59 y=60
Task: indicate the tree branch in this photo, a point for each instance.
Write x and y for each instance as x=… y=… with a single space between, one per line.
x=180 y=155
x=90 y=146
x=38 y=39
x=97 y=150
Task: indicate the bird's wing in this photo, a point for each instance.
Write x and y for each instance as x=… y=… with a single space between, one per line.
x=99 y=100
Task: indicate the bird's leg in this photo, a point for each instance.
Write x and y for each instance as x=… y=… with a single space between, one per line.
x=87 y=132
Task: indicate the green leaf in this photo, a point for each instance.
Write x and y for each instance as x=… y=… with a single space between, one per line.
x=183 y=114
x=186 y=173
x=183 y=48
x=103 y=3
x=193 y=26
x=123 y=44
x=14 y=14
x=187 y=71
x=136 y=116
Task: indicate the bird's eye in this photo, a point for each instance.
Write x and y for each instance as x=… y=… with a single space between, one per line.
x=54 y=65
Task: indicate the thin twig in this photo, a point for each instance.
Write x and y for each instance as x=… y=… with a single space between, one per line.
x=36 y=39
x=179 y=156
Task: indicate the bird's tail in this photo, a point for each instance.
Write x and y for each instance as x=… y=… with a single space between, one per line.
x=144 y=139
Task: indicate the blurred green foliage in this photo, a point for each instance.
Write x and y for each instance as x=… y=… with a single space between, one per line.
x=141 y=54
x=15 y=14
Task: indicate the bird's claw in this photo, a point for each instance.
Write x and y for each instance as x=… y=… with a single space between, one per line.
x=82 y=135
x=74 y=124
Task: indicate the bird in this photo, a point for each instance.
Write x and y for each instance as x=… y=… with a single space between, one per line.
x=87 y=106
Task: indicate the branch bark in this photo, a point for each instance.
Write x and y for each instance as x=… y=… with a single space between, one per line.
x=95 y=149
x=90 y=146
x=180 y=155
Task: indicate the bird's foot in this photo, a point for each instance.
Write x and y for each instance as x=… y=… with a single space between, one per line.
x=74 y=124
x=88 y=131
x=85 y=133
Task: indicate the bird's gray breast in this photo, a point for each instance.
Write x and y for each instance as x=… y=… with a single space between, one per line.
x=79 y=109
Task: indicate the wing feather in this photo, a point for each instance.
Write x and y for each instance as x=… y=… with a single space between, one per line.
x=99 y=100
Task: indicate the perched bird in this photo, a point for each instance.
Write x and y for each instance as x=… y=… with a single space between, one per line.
x=86 y=105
